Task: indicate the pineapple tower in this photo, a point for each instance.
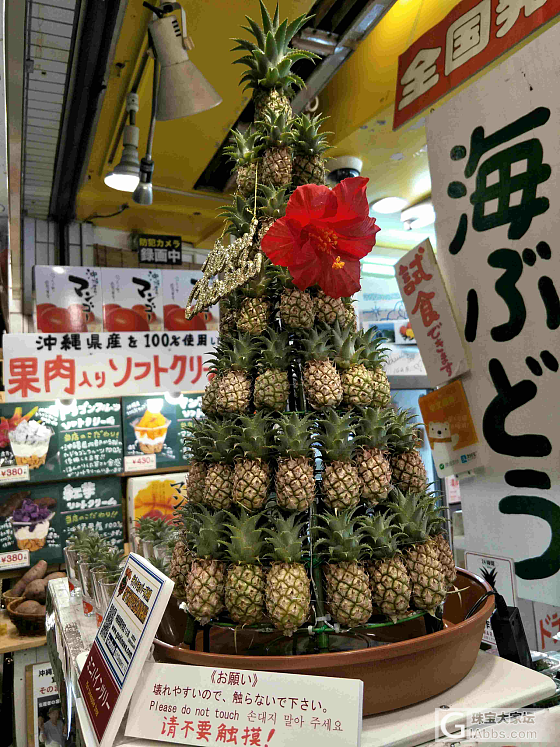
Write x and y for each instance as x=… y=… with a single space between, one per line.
x=306 y=502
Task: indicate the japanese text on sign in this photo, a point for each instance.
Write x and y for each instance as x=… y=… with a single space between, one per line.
x=164 y=250
x=471 y=36
x=107 y=363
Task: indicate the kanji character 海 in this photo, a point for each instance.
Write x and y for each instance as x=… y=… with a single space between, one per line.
x=127 y=373
x=508 y=12
x=61 y=368
x=23 y=376
x=468 y=36
x=420 y=76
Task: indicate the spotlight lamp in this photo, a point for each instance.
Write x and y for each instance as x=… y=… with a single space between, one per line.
x=126 y=175
x=183 y=89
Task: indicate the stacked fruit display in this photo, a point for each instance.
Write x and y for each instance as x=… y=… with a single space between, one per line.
x=306 y=500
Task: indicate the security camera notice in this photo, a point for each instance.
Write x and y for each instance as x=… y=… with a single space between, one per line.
x=244 y=708
x=464 y=727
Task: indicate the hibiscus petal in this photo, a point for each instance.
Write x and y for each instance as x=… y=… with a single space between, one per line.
x=281 y=241
x=355 y=248
x=311 y=202
x=341 y=282
x=306 y=268
x=351 y=199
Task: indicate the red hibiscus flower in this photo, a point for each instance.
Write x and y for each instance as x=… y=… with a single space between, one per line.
x=323 y=236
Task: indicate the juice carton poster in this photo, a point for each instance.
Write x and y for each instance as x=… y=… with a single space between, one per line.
x=68 y=299
x=450 y=428
x=132 y=300
x=177 y=287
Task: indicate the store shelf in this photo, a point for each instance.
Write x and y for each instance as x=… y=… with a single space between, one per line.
x=13 y=641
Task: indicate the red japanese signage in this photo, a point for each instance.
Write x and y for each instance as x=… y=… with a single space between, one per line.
x=475 y=33
x=99 y=690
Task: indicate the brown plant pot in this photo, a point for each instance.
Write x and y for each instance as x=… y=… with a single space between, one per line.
x=395 y=675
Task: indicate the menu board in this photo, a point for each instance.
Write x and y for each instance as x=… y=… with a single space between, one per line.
x=156 y=426
x=55 y=440
x=39 y=518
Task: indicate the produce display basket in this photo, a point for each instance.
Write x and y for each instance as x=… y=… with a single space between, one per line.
x=27 y=624
x=8 y=596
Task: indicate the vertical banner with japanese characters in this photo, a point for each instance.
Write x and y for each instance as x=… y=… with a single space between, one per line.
x=122 y=644
x=495 y=167
x=45 y=712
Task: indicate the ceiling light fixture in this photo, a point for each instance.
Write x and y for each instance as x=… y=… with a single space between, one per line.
x=183 y=89
x=378 y=269
x=388 y=205
x=126 y=175
x=143 y=194
x=418 y=216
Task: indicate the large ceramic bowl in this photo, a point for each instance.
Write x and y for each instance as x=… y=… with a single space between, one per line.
x=397 y=674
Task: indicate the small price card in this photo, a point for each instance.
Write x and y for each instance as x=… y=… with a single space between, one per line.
x=16 y=559
x=18 y=473
x=139 y=463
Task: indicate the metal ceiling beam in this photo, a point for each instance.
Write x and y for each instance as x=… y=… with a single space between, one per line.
x=363 y=24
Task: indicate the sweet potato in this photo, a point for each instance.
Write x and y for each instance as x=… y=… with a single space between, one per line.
x=41 y=610
x=33 y=574
x=36 y=590
x=30 y=608
x=51 y=576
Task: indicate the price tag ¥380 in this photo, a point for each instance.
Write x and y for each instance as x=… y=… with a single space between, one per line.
x=139 y=463
x=15 y=559
x=17 y=473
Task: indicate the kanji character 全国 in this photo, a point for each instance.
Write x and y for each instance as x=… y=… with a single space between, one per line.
x=61 y=368
x=489 y=189
x=127 y=373
x=424 y=306
x=23 y=376
x=508 y=12
x=420 y=76
x=468 y=36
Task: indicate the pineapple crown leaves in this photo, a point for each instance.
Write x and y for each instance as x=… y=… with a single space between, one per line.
x=245 y=543
x=285 y=539
x=253 y=436
x=258 y=286
x=351 y=351
x=275 y=351
x=244 y=147
x=112 y=560
x=402 y=432
x=371 y=428
x=282 y=277
x=276 y=129
x=239 y=215
x=381 y=535
x=435 y=510
x=294 y=435
x=317 y=344
x=218 y=440
x=306 y=138
x=335 y=438
x=218 y=359
x=270 y=60
x=240 y=352
x=205 y=532
x=411 y=515
x=371 y=342
x=160 y=564
x=193 y=441
x=341 y=538
x=272 y=202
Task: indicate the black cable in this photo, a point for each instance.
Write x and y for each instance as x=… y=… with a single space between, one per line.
x=110 y=215
x=478 y=603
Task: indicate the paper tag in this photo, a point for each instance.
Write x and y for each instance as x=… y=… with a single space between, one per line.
x=18 y=473
x=139 y=463
x=16 y=559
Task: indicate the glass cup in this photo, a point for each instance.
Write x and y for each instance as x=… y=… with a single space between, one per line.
x=72 y=559
x=162 y=552
x=107 y=587
x=98 y=575
x=85 y=569
x=147 y=548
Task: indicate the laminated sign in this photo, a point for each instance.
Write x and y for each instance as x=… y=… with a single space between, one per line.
x=122 y=643
x=495 y=167
x=430 y=314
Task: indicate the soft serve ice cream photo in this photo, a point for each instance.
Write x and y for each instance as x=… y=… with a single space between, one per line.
x=29 y=441
x=31 y=525
x=151 y=429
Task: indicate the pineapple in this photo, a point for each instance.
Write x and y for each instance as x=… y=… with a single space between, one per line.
x=295 y=480
x=389 y=581
x=269 y=61
x=346 y=580
x=356 y=379
x=276 y=169
x=272 y=205
x=196 y=470
x=309 y=146
x=239 y=215
x=245 y=582
x=204 y=587
x=234 y=389
x=341 y=481
x=228 y=322
x=244 y=150
x=296 y=308
x=251 y=474
x=407 y=467
x=180 y=566
x=435 y=522
x=288 y=593
x=374 y=357
x=421 y=554
x=219 y=443
x=351 y=319
x=272 y=385
x=373 y=466
x=321 y=380
x=330 y=310
x=218 y=364
x=254 y=308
